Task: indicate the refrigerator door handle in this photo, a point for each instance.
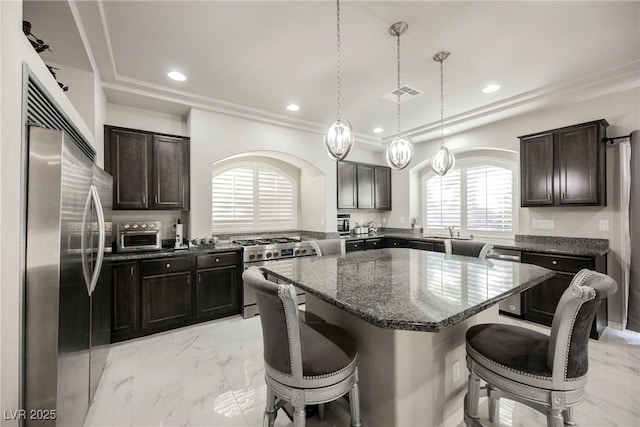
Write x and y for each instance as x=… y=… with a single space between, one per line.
x=101 y=230
x=83 y=244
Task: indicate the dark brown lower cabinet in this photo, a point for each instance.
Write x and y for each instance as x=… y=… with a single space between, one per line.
x=539 y=303
x=423 y=246
x=217 y=293
x=166 y=300
x=124 y=323
x=390 y=242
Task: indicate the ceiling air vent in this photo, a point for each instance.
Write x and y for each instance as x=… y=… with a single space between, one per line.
x=406 y=93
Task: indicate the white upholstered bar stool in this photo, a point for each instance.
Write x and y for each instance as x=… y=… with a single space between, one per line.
x=305 y=362
x=470 y=248
x=328 y=247
x=546 y=372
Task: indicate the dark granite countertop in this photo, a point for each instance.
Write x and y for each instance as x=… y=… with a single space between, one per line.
x=543 y=244
x=200 y=250
x=407 y=288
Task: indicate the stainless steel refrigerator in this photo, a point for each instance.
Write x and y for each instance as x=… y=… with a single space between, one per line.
x=68 y=290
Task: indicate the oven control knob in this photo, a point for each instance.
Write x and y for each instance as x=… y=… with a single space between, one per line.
x=135 y=226
x=304 y=251
x=126 y=226
x=143 y=226
x=259 y=256
x=268 y=254
x=276 y=254
x=152 y=225
x=252 y=257
x=296 y=252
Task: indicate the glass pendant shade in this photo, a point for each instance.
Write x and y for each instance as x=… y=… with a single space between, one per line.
x=339 y=139
x=399 y=153
x=442 y=161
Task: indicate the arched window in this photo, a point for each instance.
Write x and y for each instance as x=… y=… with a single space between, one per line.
x=477 y=197
x=253 y=196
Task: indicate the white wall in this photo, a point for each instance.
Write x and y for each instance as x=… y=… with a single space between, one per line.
x=621 y=110
x=81 y=91
x=15 y=50
x=153 y=121
x=217 y=136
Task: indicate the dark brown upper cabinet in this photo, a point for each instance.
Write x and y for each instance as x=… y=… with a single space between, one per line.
x=564 y=167
x=363 y=186
x=150 y=171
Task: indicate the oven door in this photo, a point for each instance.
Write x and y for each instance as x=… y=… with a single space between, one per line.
x=282 y=266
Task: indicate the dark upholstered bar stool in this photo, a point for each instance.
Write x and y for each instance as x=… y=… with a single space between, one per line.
x=467 y=248
x=305 y=362
x=329 y=247
x=547 y=373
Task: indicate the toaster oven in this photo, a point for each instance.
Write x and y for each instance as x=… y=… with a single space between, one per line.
x=139 y=236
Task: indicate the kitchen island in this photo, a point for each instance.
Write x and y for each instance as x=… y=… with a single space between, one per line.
x=387 y=299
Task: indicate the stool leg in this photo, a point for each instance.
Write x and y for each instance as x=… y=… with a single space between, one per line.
x=568 y=416
x=321 y=411
x=299 y=416
x=555 y=418
x=354 y=402
x=270 y=408
x=494 y=403
x=473 y=393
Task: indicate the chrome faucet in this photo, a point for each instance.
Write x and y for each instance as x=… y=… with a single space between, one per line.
x=450 y=228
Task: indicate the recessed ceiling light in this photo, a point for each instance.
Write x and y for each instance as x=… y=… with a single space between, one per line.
x=177 y=75
x=378 y=130
x=446 y=131
x=293 y=107
x=491 y=88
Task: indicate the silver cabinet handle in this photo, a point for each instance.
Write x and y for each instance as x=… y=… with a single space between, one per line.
x=548 y=196
x=554 y=262
x=144 y=199
x=217 y=259
x=199 y=278
x=156 y=199
x=168 y=265
x=132 y=270
x=189 y=279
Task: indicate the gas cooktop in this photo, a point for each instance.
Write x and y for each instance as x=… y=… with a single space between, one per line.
x=266 y=241
x=271 y=248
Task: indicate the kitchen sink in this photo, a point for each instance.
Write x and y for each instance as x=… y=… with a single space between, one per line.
x=446 y=237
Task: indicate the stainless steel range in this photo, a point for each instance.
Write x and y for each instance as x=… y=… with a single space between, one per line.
x=278 y=253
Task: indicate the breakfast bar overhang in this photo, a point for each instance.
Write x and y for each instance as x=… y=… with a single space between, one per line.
x=387 y=299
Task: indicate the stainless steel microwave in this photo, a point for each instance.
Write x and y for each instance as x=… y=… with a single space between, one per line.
x=139 y=236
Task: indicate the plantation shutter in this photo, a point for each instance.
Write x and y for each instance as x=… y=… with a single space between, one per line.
x=489 y=198
x=275 y=199
x=443 y=200
x=232 y=198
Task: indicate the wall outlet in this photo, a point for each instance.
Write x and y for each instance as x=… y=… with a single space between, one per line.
x=455 y=368
x=322 y=222
x=401 y=219
x=384 y=219
x=543 y=224
x=604 y=225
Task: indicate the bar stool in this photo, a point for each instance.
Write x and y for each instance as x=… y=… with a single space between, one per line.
x=547 y=373
x=329 y=247
x=305 y=362
x=470 y=248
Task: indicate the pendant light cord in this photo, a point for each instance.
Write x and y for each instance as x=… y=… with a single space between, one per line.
x=441 y=104
x=398 y=83
x=338 y=62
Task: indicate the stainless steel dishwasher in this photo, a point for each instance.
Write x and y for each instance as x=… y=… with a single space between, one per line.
x=512 y=305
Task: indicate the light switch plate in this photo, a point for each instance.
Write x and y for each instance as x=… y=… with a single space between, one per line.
x=604 y=225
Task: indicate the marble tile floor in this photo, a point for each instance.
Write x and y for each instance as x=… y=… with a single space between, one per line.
x=211 y=374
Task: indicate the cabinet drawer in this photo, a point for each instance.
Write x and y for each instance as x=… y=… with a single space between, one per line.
x=373 y=244
x=557 y=262
x=164 y=266
x=357 y=245
x=396 y=243
x=423 y=246
x=216 y=260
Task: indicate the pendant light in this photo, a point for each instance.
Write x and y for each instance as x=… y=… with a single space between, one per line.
x=443 y=160
x=339 y=137
x=400 y=150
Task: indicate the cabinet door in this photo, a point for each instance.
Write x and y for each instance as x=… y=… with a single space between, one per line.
x=129 y=166
x=124 y=320
x=373 y=244
x=366 y=194
x=382 y=184
x=166 y=300
x=170 y=172
x=540 y=302
x=346 y=182
x=536 y=170
x=217 y=292
x=578 y=153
